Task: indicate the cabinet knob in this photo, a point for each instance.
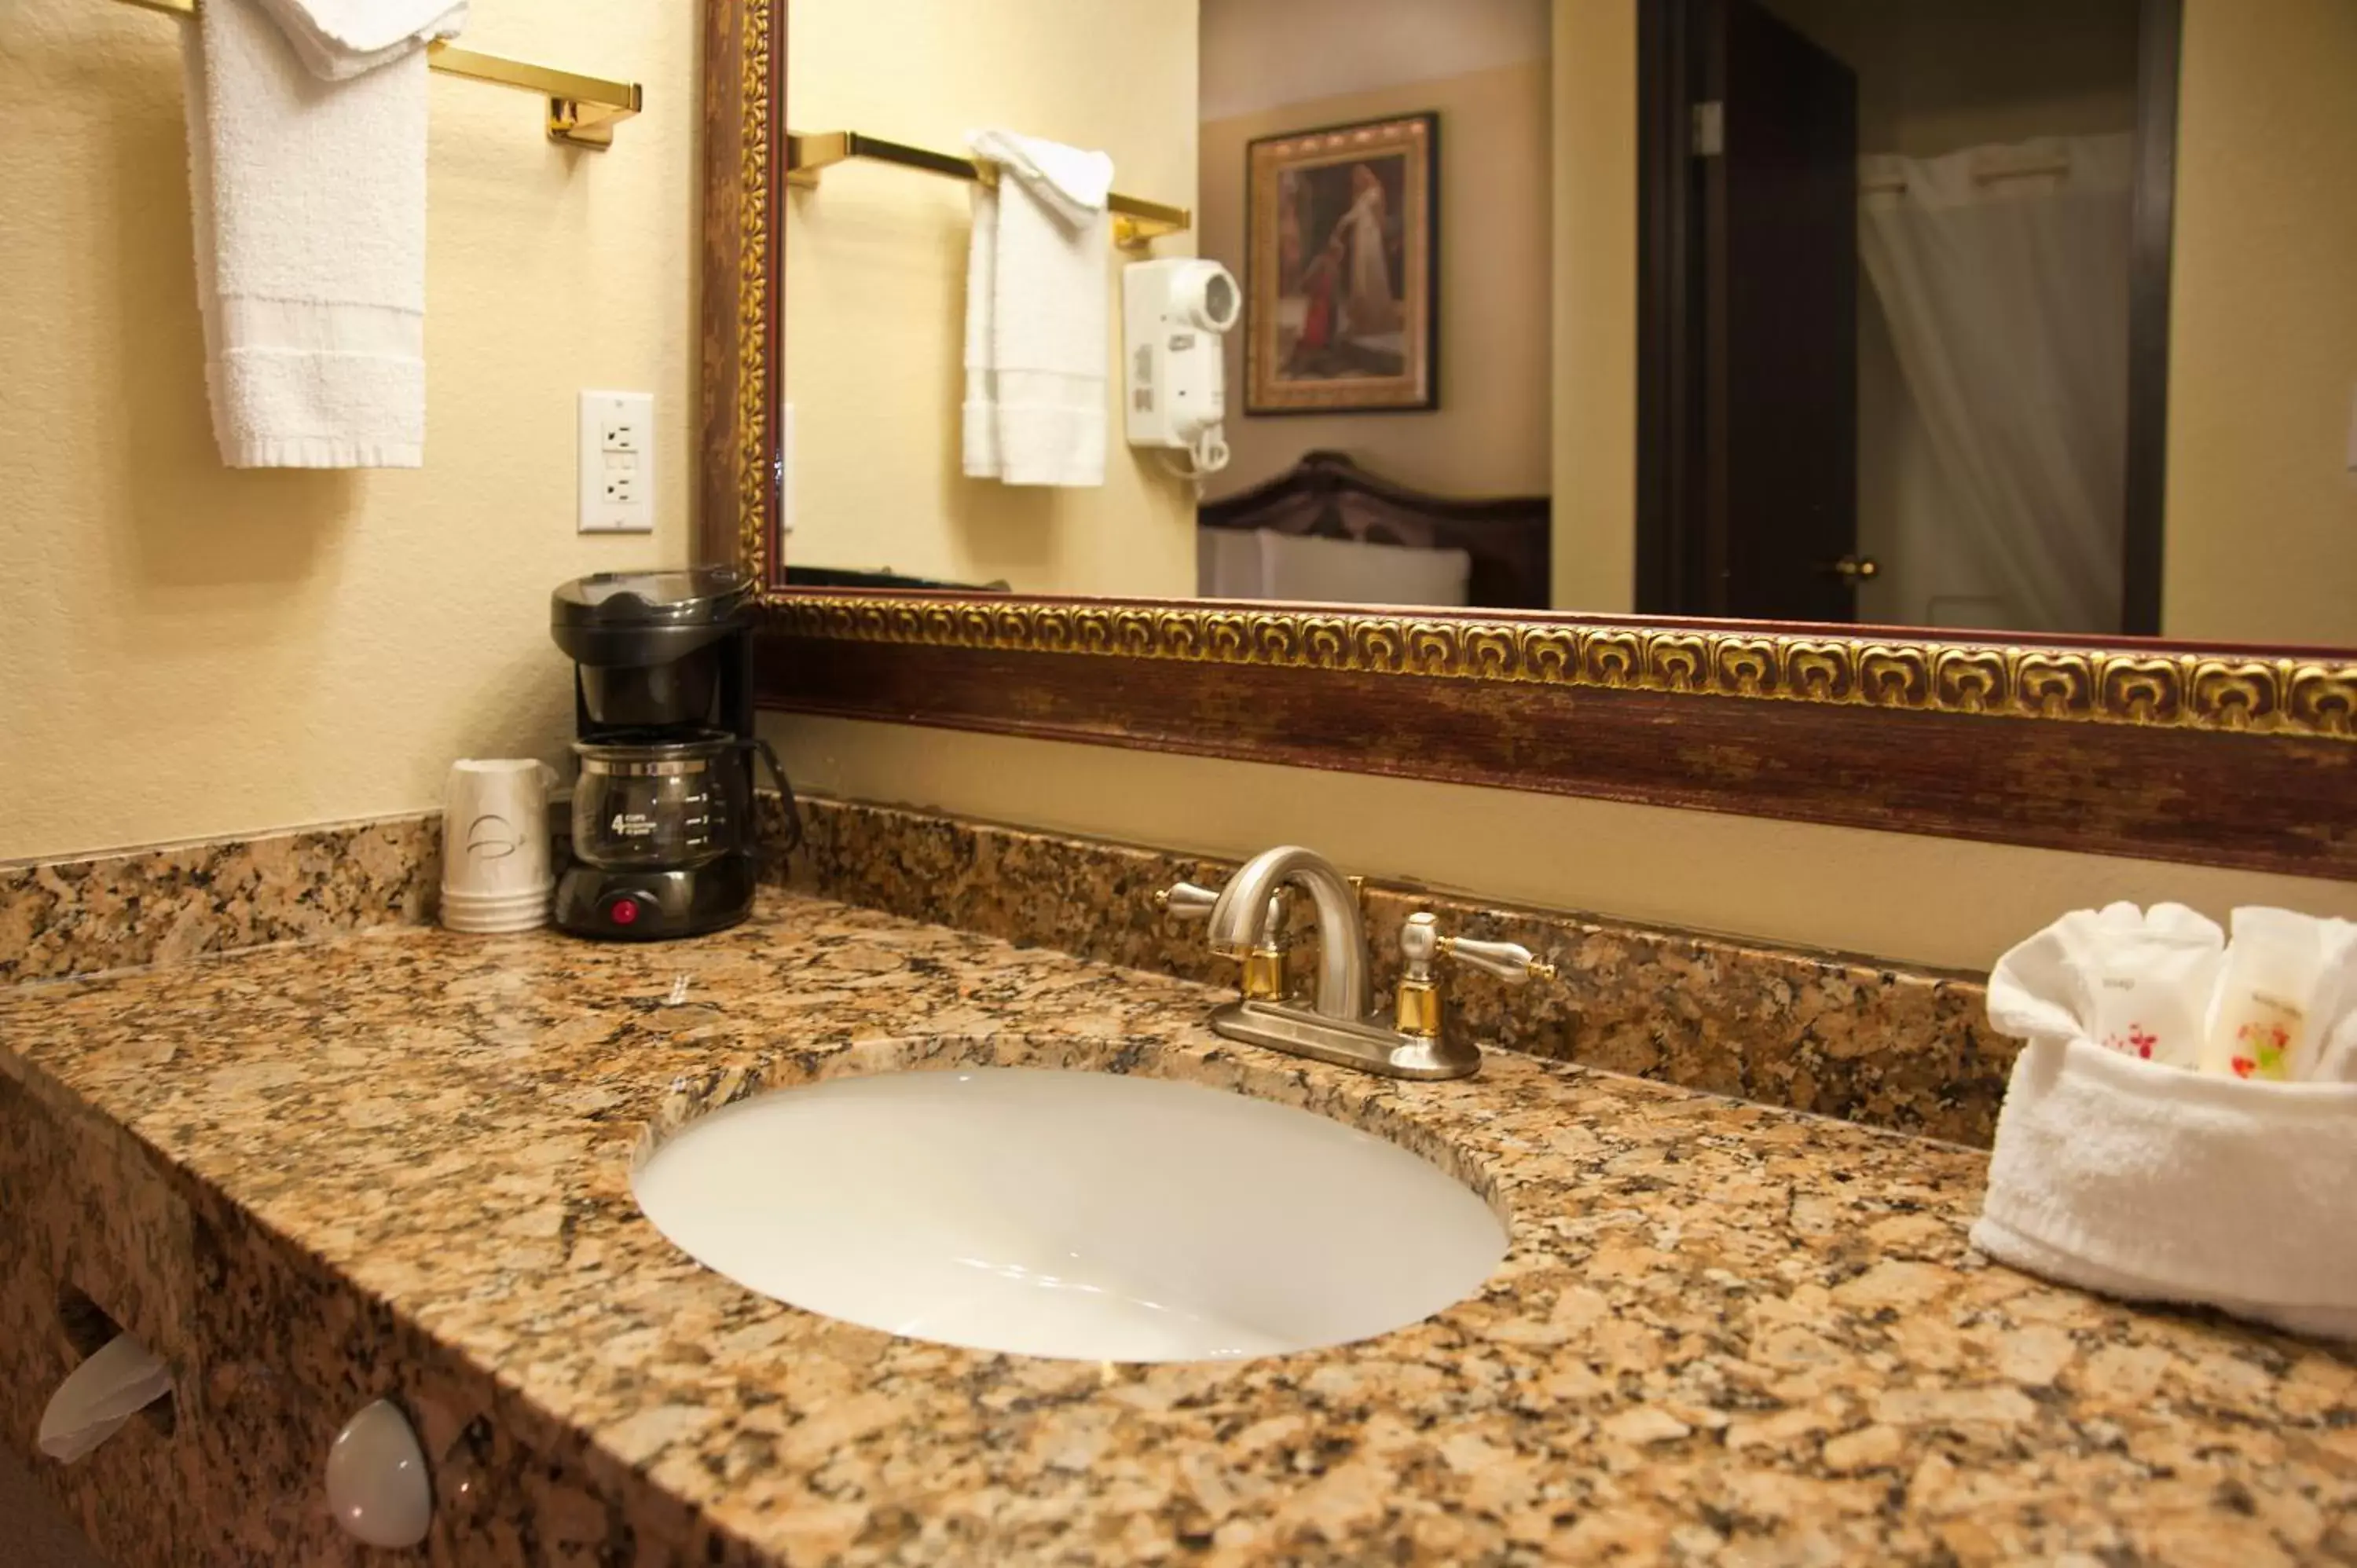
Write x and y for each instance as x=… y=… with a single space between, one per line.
x=377 y=1487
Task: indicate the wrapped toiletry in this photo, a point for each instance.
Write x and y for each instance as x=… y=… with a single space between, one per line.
x=2134 y=980
x=2118 y=1170
x=2284 y=990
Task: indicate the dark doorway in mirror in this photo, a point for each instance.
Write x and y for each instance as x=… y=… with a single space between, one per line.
x=1904 y=310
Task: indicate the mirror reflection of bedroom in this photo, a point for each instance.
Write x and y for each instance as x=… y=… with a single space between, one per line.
x=1885 y=345
x=1377 y=175
x=2014 y=315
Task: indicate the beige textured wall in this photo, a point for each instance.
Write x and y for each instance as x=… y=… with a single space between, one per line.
x=1489 y=435
x=2262 y=521
x=1936 y=76
x=875 y=284
x=1257 y=54
x=193 y=651
x=1595 y=419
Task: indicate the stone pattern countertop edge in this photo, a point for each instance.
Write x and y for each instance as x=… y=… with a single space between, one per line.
x=129 y=908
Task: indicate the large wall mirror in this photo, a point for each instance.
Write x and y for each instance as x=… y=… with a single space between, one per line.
x=1735 y=403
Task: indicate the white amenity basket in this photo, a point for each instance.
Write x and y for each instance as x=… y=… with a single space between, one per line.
x=2154 y=1183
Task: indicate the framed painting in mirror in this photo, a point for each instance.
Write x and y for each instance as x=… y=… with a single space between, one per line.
x=1342 y=295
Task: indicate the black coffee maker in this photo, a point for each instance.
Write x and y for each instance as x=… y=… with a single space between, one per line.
x=664 y=837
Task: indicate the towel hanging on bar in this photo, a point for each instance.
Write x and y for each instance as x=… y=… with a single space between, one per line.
x=1136 y=220
x=582 y=110
x=309 y=203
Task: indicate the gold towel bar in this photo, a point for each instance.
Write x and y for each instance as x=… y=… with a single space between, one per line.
x=807 y=152
x=582 y=110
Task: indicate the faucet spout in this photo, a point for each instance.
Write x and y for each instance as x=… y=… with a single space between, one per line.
x=1239 y=919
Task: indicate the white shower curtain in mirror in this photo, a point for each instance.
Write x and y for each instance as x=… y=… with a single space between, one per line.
x=2006 y=300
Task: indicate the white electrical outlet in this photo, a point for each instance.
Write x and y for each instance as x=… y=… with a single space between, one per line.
x=618 y=480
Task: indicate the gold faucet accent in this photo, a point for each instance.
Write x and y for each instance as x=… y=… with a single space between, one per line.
x=1420 y=1011
x=1265 y=961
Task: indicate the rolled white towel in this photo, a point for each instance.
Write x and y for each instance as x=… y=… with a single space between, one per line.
x=2156 y=1183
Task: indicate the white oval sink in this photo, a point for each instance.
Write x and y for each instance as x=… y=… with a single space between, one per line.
x=1073 y=1214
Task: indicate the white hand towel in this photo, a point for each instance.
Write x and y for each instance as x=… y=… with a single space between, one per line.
x=309 y=202
x=980 y=407
x=343 y=38
x=1037 y=313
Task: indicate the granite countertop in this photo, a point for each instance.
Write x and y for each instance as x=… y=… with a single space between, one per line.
x=1723 y=1332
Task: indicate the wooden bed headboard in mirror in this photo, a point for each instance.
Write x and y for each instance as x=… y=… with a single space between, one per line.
x=2225 y=754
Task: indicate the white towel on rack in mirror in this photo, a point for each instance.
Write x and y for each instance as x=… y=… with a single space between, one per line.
x=309 y=204
x=981 y=406
x=1037 y=313
x=342 y=38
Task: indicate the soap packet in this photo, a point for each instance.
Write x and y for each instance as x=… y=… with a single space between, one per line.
x=2284 y=1004
x=2136 y=981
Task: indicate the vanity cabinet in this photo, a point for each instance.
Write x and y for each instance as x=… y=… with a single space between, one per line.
x=271 y=1355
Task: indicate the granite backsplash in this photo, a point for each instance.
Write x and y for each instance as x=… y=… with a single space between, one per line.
x=142 y=907
x=1837 y=1034
x=1843 y=1036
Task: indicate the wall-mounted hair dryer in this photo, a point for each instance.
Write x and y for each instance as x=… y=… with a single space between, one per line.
x=1173 y=315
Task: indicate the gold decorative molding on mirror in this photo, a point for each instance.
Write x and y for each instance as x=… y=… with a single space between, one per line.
x=2217 y=755
x=2264 y=693
x=740 y=327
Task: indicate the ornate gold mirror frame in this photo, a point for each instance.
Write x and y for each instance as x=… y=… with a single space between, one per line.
x=2220 y=754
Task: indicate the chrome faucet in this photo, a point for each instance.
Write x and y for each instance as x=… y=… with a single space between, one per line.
x=1240 y=922
x=1338 y=1025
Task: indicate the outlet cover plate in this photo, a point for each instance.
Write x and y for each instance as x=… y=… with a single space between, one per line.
x=616 y=449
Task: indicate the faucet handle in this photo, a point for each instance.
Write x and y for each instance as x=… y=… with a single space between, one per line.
x=1418 y=1009
x=1185 y=901
x=1421 y=942
x=1510 y=962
